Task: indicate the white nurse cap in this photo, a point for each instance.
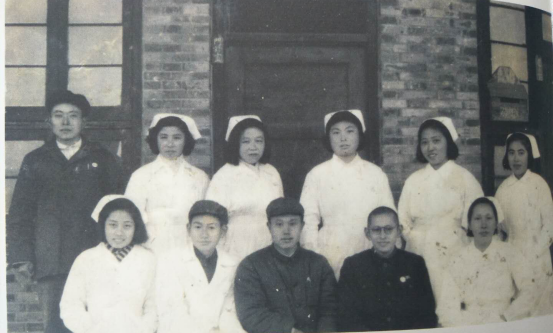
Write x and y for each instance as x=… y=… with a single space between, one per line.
x=233 y=121
x=357 y=113
x=448 y=123
x=190 y=123
x=109 y=198
x=533 y=143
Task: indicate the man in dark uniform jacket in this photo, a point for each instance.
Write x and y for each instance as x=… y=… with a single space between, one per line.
x=59 y=185
x=385 y=288
x=284 y=288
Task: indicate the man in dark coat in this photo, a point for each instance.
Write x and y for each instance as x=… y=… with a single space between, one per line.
x=284 y=288
x=385 y=288
x=59 y=185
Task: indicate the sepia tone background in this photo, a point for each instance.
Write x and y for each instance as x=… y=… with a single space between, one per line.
x=289 y=61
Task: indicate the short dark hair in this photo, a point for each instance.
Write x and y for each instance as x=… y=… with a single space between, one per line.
x=339 y=117
x=232 y=151
x=67 y=97
x=382 y=210
x=485 y=201
x=452 y=149
x=153 y=132
x=523 y=139
x=140 y=234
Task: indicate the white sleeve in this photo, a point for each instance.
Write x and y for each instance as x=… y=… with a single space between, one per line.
x=385 y=192
x=545 y=206
x=149 y=317
x=204 y=185
x=404 y=211
x=449 y=304
x=522 y=275
x=473 y=191
x=229 y=319
x=219 y=190
x=136 y=190
x=312 y=216
x=73 y=303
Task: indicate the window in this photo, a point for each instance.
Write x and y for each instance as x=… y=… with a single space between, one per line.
x=91 y=47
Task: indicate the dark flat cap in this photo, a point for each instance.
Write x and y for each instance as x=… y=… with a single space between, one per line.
x=68 y=97
x=284 y=206
x=208 y=207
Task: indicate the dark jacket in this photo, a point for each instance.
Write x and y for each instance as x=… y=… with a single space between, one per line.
x=267 y=302
x=49 y=221
x=379 y=294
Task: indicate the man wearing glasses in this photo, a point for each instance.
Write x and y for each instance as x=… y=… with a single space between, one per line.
x=385 y=288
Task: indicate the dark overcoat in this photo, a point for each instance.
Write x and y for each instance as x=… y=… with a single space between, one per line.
x=49 y=221
x=266 y=304
x=379 y=294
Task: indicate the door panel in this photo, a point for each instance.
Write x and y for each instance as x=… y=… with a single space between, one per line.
x=291 y=89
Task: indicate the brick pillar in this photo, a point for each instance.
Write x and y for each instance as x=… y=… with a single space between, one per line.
x=428 y=68
x=176 y=68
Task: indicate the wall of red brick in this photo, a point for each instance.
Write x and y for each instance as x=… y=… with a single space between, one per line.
x=428 y=63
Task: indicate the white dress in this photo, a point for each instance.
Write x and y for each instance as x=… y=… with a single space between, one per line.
x=478 y=286
x=246 y=191
x=187 y=302
x=432 y=208
x=166 y=190
x=341 y=196
x=103 y=295
x=528 y=209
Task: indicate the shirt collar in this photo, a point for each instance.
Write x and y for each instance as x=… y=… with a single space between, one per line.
x=76 y=145
x=203 y=258
x=444 y=171
x=177 y=164
x=512 y=179
x=337 y=161
x=254 y=168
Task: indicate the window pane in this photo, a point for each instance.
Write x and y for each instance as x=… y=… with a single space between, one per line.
x=546 y=27
x=95 y=45
x=25 y=45
x=510 y=56
x=508 y=4
x=507 y=25
x=25 y=86
x=15 y=151
x=102 y=86
x=95 y=11
x=26 y=11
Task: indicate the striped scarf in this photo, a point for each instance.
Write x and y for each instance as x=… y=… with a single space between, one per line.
x=121 y=253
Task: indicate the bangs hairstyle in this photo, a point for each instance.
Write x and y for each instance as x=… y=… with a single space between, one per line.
x=153 y=132
x=452 y=150
x=343 y=116
x=232 y=152
x=523 y=139
x=67 y=97
x=383 y=210
x=479 y=201
x=140 y=235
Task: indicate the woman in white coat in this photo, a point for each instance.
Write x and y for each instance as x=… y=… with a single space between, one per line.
x=111 y=287
x=434 y=201
x=526 y=199
x=195 y=284
x=489 y=280
x=245 y=185
x=339 y=194
x=167 y=187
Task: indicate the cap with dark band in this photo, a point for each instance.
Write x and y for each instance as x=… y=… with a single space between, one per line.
x=209 y=207
x=284 y=206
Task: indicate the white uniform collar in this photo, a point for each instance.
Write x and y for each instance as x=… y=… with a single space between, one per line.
x=444 y=171
x=69 y=150
x=512 y=179
x=223 y=258
x=175 y=165
x=337 y=161
x=254 y=168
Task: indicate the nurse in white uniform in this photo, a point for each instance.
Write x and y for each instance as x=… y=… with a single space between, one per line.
x=526 y=199
x=339 y=194
x=110 y=288
x=434 y=201
x=167 y=187
x=245 y=185
x=489 y=280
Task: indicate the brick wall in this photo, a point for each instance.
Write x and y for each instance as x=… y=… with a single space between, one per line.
x=428 y=68
x=176 y=68
x=24 y=312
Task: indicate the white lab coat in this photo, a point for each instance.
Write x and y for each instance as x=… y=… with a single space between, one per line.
x=485 y=283
x=166 y=190
x=103 y=295
x=528 y=209
x=433 y=208
x=341 y=196
x=246 y=191
x=187 y=302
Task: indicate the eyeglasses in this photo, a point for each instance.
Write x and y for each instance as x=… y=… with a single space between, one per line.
x=378 y=230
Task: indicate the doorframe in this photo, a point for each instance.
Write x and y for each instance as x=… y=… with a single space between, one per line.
x=222 y=38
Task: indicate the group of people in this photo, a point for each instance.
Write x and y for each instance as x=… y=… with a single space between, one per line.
x=178 y=252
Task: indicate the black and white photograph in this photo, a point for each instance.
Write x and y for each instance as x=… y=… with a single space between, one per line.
x=277 y=166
